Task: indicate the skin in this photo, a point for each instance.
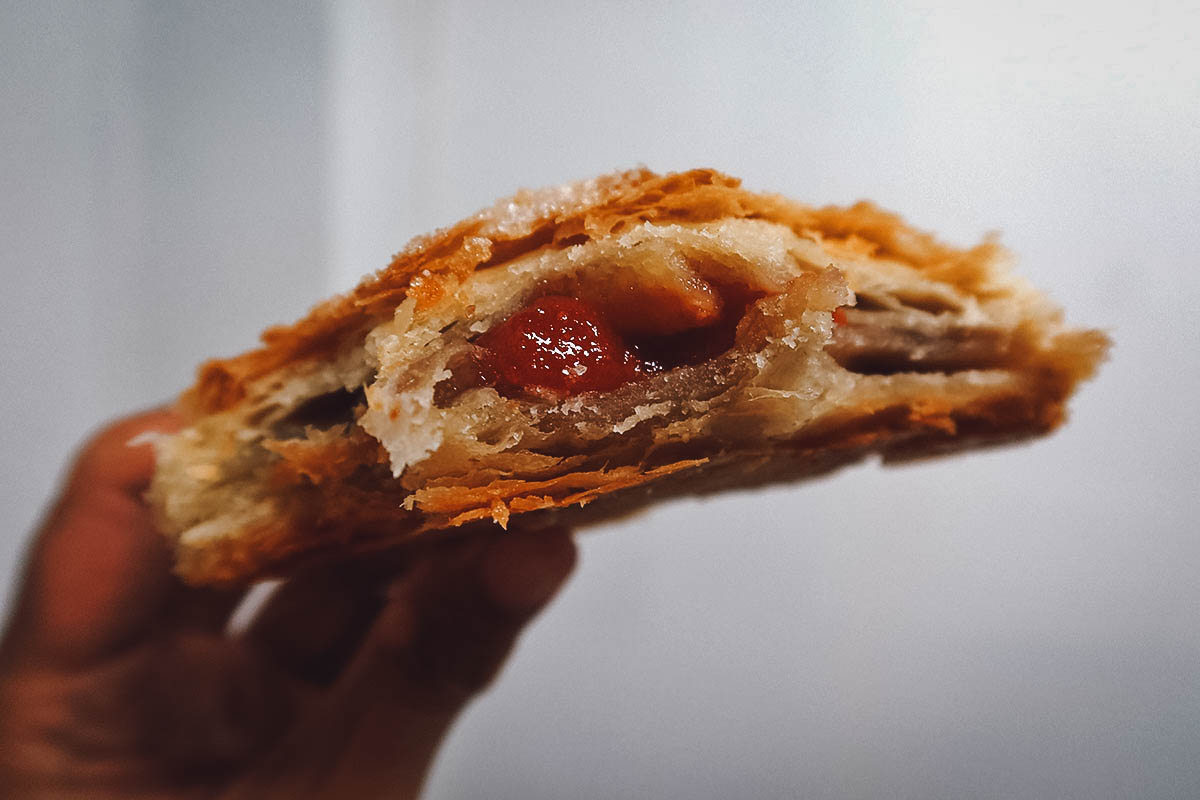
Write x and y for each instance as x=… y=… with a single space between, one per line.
x=117 y=680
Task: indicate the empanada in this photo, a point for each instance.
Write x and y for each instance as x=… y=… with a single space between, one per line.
x=577 y=352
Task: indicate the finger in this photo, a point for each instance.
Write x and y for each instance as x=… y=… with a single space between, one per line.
x=441 y=638
x=120 y=459
x=98 y=575
x=439 y=642
x=112 y=460
x=79 y=581
x=205 y=609
x=314 y=623
x=187 y=708
x=233 y=706
x=449 y=624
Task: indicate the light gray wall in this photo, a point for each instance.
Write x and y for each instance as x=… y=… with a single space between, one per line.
x=163 y=172
x=1019 y=623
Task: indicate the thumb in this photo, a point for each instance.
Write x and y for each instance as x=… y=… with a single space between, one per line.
x=441 y=638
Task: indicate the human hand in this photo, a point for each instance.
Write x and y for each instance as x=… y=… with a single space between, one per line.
x=117 y=680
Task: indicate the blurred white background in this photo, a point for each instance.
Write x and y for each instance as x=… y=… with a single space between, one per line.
x=1013 y=624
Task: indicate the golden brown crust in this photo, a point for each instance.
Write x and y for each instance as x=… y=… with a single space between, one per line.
x=333 y=494
x=594 y=211
x=899 y=433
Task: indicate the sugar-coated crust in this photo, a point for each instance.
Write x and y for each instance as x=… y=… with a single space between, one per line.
x=325 y=509
x=551 y=217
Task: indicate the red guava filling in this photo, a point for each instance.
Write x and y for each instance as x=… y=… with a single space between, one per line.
x=556 y=346
x=560 y=346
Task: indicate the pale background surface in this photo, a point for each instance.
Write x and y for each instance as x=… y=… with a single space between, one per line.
x=1016 y=624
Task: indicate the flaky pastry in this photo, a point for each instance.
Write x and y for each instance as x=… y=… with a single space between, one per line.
x=577 y=352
